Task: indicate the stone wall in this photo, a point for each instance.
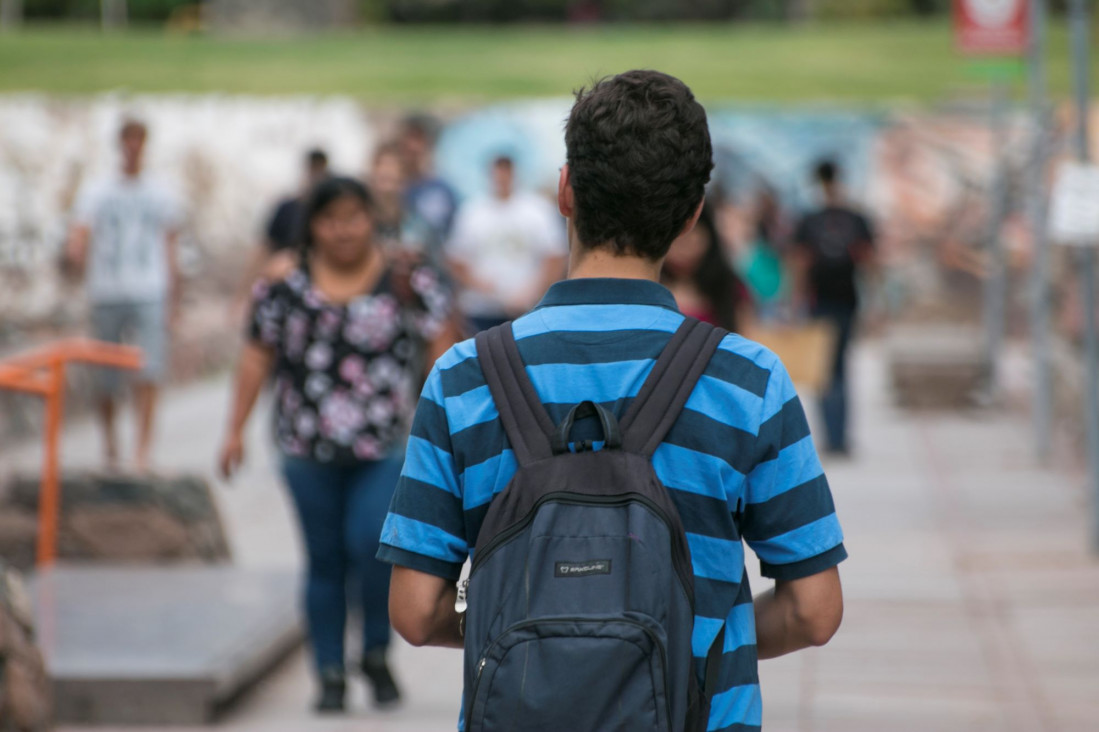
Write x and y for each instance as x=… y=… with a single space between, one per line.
x=116 y=518
x=24 y=686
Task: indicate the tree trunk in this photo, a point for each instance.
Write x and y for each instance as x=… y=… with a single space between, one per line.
x=798 y=11
x=115 y=13
x=11 y=14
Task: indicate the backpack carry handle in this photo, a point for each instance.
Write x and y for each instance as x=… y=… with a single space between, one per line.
x=612 y=436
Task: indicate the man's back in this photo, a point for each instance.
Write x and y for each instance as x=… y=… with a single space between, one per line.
x=835 y=238
x=738 y=463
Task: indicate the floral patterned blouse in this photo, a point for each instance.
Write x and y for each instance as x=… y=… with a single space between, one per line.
x=346 y=374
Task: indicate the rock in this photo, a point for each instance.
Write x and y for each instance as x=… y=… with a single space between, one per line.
x=936 y=367
x=127 y=533
x=18 y=531
x=116 y=518
x=25 y=701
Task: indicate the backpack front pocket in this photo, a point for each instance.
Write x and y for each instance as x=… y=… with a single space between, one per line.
x=555 y=674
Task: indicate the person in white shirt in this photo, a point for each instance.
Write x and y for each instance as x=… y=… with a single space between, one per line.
x=505 y=251
x=123 y=239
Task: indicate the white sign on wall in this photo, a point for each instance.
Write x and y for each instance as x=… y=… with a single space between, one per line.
x=1074 y=209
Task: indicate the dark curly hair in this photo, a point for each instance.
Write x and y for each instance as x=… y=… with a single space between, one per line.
x=639 y=157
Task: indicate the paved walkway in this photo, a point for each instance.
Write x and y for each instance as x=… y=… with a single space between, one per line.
x=971 y=601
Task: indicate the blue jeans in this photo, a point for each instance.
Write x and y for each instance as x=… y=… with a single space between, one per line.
x=833 y=402
x=341 y=509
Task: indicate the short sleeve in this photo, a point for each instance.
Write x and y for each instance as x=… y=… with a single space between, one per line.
x=425 y=527
x=789 y=519
x=267 y=315
x=86 y=203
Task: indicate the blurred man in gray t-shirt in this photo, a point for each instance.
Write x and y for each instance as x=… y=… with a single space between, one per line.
x=123 y=237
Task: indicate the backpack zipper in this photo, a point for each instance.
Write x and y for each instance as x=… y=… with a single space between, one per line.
x=557 y=619
x=580 y=500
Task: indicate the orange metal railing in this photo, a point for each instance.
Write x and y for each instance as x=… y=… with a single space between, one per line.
x=42 y=371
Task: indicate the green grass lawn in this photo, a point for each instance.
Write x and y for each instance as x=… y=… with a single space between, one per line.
x=847 y=62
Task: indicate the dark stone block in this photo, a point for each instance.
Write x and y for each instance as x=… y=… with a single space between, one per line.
x=118 y=518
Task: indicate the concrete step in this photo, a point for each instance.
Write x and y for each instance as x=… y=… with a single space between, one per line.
x=160 y=645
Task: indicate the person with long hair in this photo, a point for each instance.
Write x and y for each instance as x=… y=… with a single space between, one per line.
x=698 y=273
x=345 y=338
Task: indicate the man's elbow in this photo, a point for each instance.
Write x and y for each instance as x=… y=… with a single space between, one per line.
x=821 y=625
x=415 y=630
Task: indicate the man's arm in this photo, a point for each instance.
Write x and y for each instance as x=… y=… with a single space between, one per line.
x=175 y=280
x=421 y=608
x=798 y=613
x=789 y=521
x=76 y=249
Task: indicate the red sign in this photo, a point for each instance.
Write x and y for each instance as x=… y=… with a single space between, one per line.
x=991 y=27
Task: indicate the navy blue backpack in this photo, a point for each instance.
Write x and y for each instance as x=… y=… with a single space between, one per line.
x=580 y=603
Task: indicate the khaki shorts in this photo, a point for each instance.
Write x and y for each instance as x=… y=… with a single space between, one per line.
x=141 y=324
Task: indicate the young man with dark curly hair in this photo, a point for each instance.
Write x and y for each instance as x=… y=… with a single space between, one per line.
x=738 y=462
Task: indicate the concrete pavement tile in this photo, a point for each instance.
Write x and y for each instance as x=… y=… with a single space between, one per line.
x=925 y=629
x=904 y=670
x=1056 y=586
x=856 y=711
x=430 y=679
x=901 y=584
x=1071 y=692
x=1059 y=639
x=1077 y=717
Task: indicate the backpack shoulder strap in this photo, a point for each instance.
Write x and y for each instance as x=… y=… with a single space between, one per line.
x=528 y=427
x=669 y=385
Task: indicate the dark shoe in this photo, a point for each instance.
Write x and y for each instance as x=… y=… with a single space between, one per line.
x=333 y=689
x=376 y=669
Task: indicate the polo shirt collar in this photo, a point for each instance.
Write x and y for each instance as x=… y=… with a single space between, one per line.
x=608 y=291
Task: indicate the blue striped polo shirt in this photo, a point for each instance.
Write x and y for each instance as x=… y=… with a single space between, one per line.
x=739 y=462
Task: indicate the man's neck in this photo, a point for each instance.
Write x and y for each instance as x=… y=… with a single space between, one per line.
x=602 y=263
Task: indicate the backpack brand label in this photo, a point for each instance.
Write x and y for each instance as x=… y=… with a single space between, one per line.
x=582 y=569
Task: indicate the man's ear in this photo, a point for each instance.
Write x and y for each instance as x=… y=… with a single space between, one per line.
x=565 y=203
x=694 y=218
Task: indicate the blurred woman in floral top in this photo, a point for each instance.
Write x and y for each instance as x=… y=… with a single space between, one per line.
x=346 y=338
